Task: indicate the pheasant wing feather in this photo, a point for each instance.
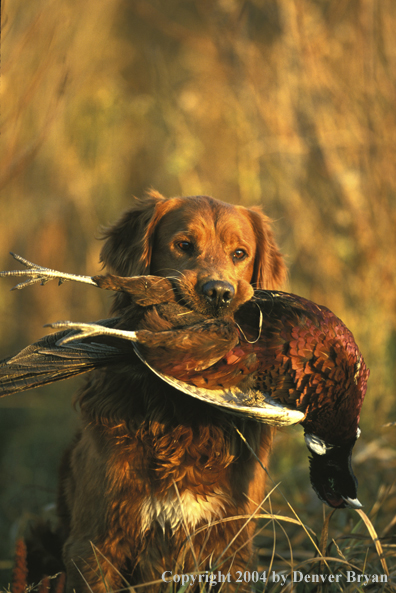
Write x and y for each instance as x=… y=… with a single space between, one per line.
x=250 y=403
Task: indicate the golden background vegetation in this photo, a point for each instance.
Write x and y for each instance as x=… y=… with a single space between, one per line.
x=287 y=104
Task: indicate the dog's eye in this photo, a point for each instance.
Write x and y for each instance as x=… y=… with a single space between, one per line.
x=239 y=254
x=185 y=245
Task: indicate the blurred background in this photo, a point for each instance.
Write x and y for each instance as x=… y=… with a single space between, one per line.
x=286 y=104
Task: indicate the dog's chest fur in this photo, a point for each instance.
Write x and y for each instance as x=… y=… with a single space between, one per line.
x=185 y=509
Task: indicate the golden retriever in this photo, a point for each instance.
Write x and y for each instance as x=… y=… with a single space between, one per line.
x=158 y=483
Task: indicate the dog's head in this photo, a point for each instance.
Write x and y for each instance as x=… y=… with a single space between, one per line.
x=215 y=251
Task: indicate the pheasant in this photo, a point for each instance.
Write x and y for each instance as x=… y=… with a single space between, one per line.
x=280 y=359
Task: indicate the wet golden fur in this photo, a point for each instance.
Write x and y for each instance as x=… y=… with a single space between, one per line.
x=153 y=471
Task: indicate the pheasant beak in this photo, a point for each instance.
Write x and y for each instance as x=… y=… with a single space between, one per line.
x=352 y=503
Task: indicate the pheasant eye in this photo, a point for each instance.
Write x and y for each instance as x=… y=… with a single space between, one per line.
x=239 y=254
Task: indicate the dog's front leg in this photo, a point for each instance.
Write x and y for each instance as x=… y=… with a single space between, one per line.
x=93 y=568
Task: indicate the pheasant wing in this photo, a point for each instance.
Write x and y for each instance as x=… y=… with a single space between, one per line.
x=165 y=350
x=250 y=403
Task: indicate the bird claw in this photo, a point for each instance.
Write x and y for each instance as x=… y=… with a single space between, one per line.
x=39 y=274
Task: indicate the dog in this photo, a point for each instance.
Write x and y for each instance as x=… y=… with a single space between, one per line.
x=157 y=483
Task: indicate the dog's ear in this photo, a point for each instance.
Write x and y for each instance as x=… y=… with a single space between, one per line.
x=269 y=267
x=127 y=250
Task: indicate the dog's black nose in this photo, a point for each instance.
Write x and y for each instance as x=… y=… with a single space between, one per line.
x=218 y=293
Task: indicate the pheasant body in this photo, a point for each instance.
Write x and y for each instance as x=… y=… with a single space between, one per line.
x=298 y=352
x=302 y=356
